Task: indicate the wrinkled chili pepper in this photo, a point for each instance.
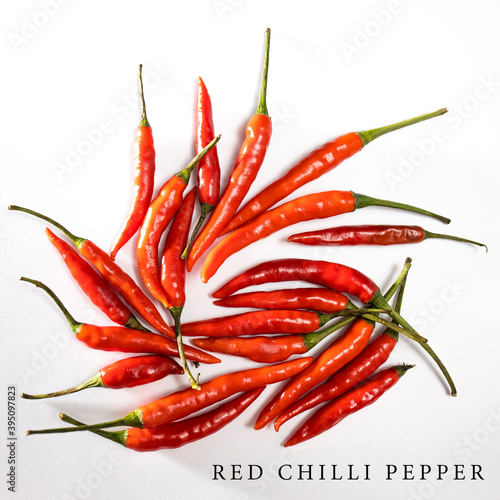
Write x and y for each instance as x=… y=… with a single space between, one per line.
x=372 y=235
x=173 y=272
x=355 y=399
x=185 y=402
x=128 y=372
x=317 y=163
x=159 y=215
x=144 y=162
x=112 y=274
x=115 y=338
x=178 y=434
x=308 y=207
x=245 y=169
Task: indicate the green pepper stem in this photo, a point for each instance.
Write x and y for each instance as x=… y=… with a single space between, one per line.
x=428 y=349
x=402 y=369
x=262 y=106
x=119 y=437
x=95 y=381
x=206 y=208
x=186 y=173
x=428 y=235
x=361 y=311
x=144 y=118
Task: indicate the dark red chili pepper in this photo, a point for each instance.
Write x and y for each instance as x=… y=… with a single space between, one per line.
x=159 y=215
x=113 y=274
x=144 y=161
x=128 y=372
x=308 y=207
x=317 y=163
x=371 y=235
x=185 y=402
x=178 y=434
x=352 y=401
x=116 y=338
x=245 y=169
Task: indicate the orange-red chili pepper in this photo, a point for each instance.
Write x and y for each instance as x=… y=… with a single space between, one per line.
x=317 y=163
x=116 y=338
x=128 y=372
x=144 y=160
x=245 y=169
x=308 y=207
x=355 y=399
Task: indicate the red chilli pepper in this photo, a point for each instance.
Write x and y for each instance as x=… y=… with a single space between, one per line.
x=113 y=274
x=246 y=167
x=128 y=372
x=115 y=338
x=144 y=160
x=178 y=434
x=317 y=163
x=309 y=207
x=352 y=401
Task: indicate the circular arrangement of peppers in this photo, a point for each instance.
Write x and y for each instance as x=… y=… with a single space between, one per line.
x=342 y=378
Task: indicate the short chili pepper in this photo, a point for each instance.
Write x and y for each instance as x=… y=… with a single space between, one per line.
x=173 y=272
x=177 y=434
x=128 y=372
x=182 y=403
x=245 y=169
x=208 y=176
x=308 y=207
x=159 y=215
x=112 y=273
x=372 y=235
x=317 y=163
x=116 y=338
x=144 y=164
x=355 y=399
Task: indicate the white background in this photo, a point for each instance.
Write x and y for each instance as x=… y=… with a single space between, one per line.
x=336 y=67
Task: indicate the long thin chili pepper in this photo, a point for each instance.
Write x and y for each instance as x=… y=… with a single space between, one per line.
x=245 y=169
x=185 y=402
x=178 y=434
x=128 y=372
x=112 y=273
x=317 y=163
x=352 y=401
x=173 y=272
x=159 y=215
x=116 y=338
x=308 y=207
x=144 y=161
x=372 y=235
x=208 y=176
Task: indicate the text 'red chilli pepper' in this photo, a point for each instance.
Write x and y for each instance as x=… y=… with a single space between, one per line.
x=245 y=169
x=144 y=161
x=116 y=338
x=317 y=163
x=113 y=275
x=159 y=215
x=177 y=434
x=308 y=207
x=128 y=372
x=173 y=272
x=182 y=403
x=355 y=399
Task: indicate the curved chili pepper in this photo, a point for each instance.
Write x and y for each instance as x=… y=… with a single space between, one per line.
x=245 y=169
x=178 y=434
x=159 y=215
x=128 y=372
x=144 y=161
x=115 y=338
x=372 y=235
x=185 y=402
x=308 y=207
x=112 y=274
x=317 y=163
x=357 y=398
x=173 y=272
